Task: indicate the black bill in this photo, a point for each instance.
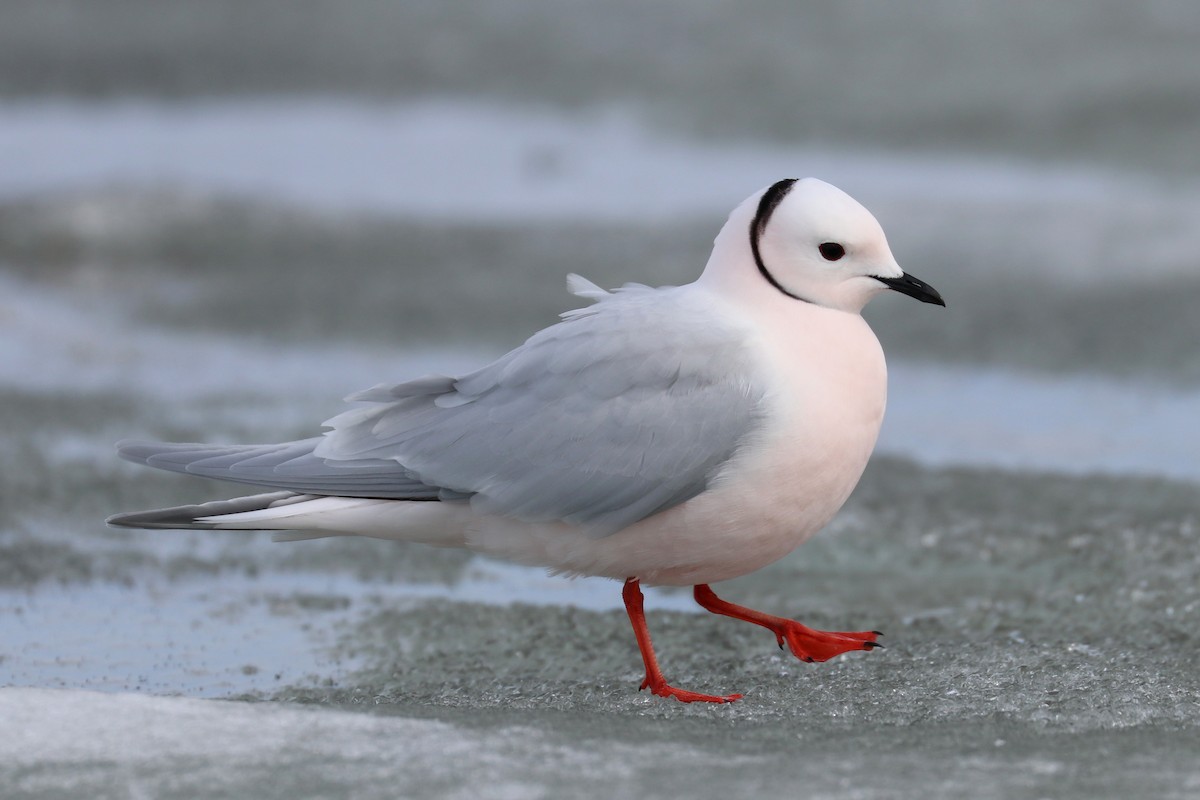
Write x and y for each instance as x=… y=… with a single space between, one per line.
x=913 y=287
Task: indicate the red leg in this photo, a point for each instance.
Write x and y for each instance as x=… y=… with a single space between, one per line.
x=632 y=594
x=805 y=643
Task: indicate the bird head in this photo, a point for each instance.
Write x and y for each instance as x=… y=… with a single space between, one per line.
x=813 y=243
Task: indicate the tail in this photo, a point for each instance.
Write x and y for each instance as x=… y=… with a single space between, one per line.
x=204 y=516
x=305 y=516
x=318 y=497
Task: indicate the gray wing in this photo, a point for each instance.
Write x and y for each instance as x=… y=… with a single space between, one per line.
x=620 y=411
x=290 y=465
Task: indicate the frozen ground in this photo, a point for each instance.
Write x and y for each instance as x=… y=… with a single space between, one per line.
x=1039 y=616
x=1039 y=629
x=176 y=747
x=475 y=161
x=189 y=215
x=1104 y=80
x=186 y=258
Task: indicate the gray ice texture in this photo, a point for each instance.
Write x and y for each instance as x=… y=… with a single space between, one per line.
x=200 y=203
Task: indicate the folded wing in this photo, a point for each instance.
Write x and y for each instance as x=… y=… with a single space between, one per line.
x=620 y=411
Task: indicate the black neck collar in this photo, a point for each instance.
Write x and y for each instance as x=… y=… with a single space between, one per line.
x=766 y=207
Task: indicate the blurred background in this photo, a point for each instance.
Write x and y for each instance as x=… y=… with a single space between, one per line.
x=217 y=218
x=212 y=166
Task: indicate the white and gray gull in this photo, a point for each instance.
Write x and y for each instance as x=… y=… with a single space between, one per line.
x=673 y=436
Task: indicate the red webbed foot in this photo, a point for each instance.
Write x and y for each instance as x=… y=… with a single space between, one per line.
x=654 y=681
x=811 y=645
x=661 y=688
x=805 y=643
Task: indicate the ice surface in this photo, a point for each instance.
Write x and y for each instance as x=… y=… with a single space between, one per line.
x=1040 y=627
x=72 y=743
x=1039 y=631
x=83 y=744
x=226 y=633
x=478 y=162
x=459 y=160
x=1030 y=421
x=1034 y=573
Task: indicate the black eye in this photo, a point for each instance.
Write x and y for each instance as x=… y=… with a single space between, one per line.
x=831 y=251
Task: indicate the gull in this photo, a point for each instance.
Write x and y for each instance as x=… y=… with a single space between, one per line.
x=672 y=436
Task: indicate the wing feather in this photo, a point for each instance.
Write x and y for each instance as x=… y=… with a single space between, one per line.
x=622 y=410
x=601 y=420
x=290 y=465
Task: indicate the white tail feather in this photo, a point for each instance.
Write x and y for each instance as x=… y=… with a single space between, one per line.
x=436 y=523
